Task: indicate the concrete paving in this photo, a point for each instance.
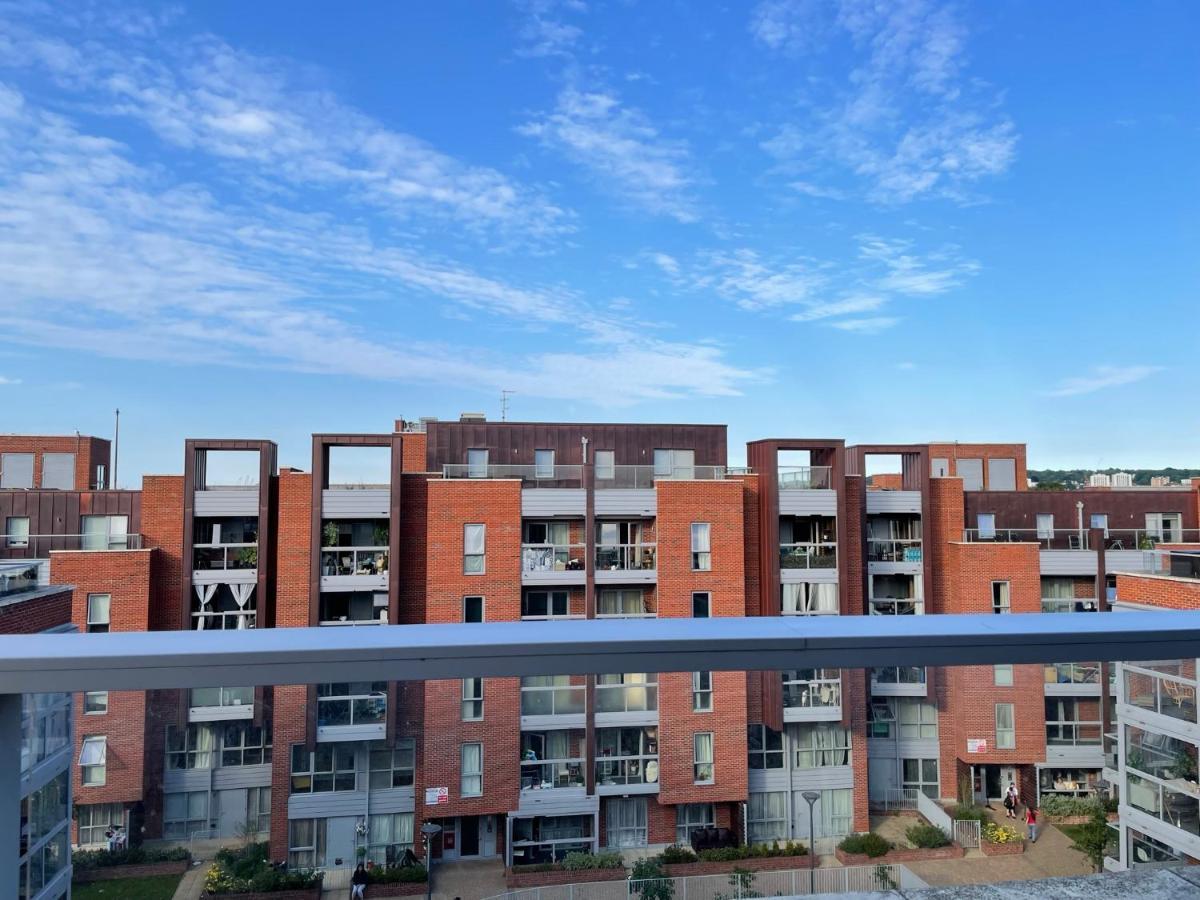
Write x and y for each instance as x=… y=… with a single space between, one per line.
x=192 y=885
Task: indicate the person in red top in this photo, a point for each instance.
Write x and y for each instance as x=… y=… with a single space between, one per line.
x=1031 y=822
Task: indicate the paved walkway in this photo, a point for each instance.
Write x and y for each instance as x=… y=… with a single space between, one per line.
x=468 y=880
x=192 y=885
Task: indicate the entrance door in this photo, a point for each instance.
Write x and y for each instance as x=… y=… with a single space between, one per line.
x=468 y=836
x=231 y=811
x=993 y=789
x=339 y=842
x=487 y=836
x=1008 y=775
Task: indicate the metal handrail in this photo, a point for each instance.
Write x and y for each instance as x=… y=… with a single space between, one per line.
x=894 y=549
x=811 y=555
x=528 y=475
x=33 y=546
x=1046 y=539
x=626 y=557
x=553 y=557
x=793 y=478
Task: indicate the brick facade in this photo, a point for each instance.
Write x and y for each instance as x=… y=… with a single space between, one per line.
x=89 y=452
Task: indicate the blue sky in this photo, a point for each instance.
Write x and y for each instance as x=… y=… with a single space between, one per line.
x=883 y=221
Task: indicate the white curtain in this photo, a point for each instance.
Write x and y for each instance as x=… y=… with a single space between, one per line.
x=836 y=811
x=241 y=596
x=793 y=599
x=822 y=598
x=206 y=741
x=204 y=592
x=473 y=540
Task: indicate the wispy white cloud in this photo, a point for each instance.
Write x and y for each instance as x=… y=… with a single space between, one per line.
x=544 y=32
x=1101 y=377
x=846 y=306
x=911 y=274
x=871 y=325
x=902 y=118
x=5 y=380
x=753 y=283
x=621 y=149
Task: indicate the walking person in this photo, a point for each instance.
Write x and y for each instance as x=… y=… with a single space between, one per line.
x=1031 y=823
x=358 y=883
x=1010 y=801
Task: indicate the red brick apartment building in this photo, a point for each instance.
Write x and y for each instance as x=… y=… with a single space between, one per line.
x=499 y=521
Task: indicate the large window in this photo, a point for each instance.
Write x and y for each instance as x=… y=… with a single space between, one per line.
x=836 y=810
x=258 y=810
x=812 y=688
x=918 y=719
x=1071 y=721
x=472 y=699
x=98 y=606
x=392 y=767
x=627 y=692
x=702 y=758
x=185 y=814
x=474 y=548
x=1006 y=736
x=921 y=775
x=1002 y=675
x=328 y=767
x=471 y=779
x=627 y=602
x=477 y=463
x=550 y=695
x=626 y=819
x=473 y=609
x=306 y=843
x=16 y=471
x=603 y=460
x=818 y=746
x=17 y=531
x=702 y=692
x=701 y=547
x=689 y=817
x=701 y=604
x=191 y=747
x=105 y=532
x=1001 y=597
x=543 y=463
x=388 y=836
x=627 y=755
x=675 y=464
x=97 y=818
x=245 y=744
x=93 y=760
x=767 y=818
x=545 y=604
x=807 y=599
x=58 y=471
x=766 y=747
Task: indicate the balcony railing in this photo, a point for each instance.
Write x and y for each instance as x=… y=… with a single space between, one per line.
x=209 y=557
x=1164 y=801
x=643 y=477
x=529 y=476
x=38 y=546
x=1148 y=539
x=824 y=693
x=1071 y=673
x=553 y=557
x=1073 y=734
x=618 y=770
x=897 y=606
x=1112 y=754
x=547 y=774
x=898 y=675
x=368 y=708
x=898 y=550
x=808 y=556
x=354 y=560
x=1058 y=539
x=552 y=699
x=1160 y=693
x=626 y=557
x=802 y=478
x=1068 y=605
x=615 y=698
x=223 y=696
x=228 y=620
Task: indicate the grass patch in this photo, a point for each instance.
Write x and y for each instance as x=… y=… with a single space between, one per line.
x=156 y=887
x=1074 y=832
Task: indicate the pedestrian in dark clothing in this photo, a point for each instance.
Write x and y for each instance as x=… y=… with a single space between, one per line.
x=358 y=883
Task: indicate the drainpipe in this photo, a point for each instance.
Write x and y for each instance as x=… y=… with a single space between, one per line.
x=1079 y=519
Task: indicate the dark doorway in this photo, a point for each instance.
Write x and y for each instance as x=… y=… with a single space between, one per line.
x=468 y=835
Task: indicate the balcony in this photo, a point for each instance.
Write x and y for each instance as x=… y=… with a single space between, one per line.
x=1173 y=696
x=626 y=760
x=224 y=563
x=38 y=546
x=894 y=550
x=805 y=478
x=1072 y=679
x=354 y=568
x=1046 y=539
x=220 y=704
x=552 y=699
x=626 y=563
x=899 y=681
x=811 y=695
x=529 y=476
x=551 y=564
x=341 y=608
x=1069 y=604
x=351 y=711
x=808 y=556
x=553 y=771
x=896 y=606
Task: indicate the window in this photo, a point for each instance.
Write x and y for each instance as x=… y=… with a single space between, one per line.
x=97 y=613
x=1006 y=738
x=689 y=817
x=766 y=747
x=543 y=463
x=818 y=746
x=701 y=604
x=16 y=471
x=388 y=836
x=1164 y=526
x=702 y=757
x=97 y=818
x=971 y=473
x=629 y=602
x=1002 y=474
x=675 y=464
x=626 y=692
x=702 y=692
x=606 y=468
x=473 y=609
x=329 y=767
x=985 y=523
x=1100 y=520
x=626 y=821
x=809 y=599
x=306 y=843
x=921 y=775
x=17 y=531
x=1001 y=599
x=474 y=543
x=245 y=744
x=766 y=817
x=881 y=716
x=392 y=767
x=1045 y=526
x=477 y=463
x=95 y=703
x=1002 y=675
x=939 y=467
x=545 y=604
x=258 y=810
x=701 y=549
x=472 y=699
x=185 y=814
x=93 y=756
x=58 y=471
x=190 y=747
x=1075 y=722
x=837 y=810
x=918 y=719
x=104 y=532
x=471 y=779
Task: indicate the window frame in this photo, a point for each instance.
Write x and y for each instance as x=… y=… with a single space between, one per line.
x=336 y=774
x=401 y=768
x=690 y=817
x=4 y=468
x=701 y=558
x=88 y=774
x=1045 y=526
x=1002 y=599
x=997 y=669
x=474 y=712
x=705 y=607
x=539 y=467
x=704 y=770
x=765 y=751
x=985 y=526
x=552 y=595
x=926 y=719
x=606 y=471
x=474 y=468
x=464 y=774
x=482 y=608
x=1010 y=743
x=922 y=782
x=470 y=558
x=70 y=471
x=702 y=692
x=95 y=712
x=12 y=541
x=96 y=625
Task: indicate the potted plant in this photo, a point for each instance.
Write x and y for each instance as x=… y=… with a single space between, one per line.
x=1185 y=765
x=330 y=534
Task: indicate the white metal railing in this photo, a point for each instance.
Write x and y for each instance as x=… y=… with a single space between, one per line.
x=529 y=476
x=821 y=555
x=1046 y=539
x=1148 y=538
x=354 y=560
x=553 y=557
x=934 y=814
x=1158 y=692
x=967 y=833
x=897 y=606
x=894 y=550
x=898 y=798
x=210 y=557
x=816 y=693
x=368 y=708
x=1071 y=673
x=549 y=774
x=37 y=546
x=800 y=478
x=552 y=699
x=626 y=557
x=643 y=477
x=229 y=620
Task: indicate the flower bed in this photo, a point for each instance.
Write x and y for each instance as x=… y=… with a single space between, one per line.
x=750 y=864
x=131 y=870
x=133 y=862
x=898 y=855
x=536 y=876
x=398 y=881
x=247 y=874
x=1000 y=840
x=1010 y=849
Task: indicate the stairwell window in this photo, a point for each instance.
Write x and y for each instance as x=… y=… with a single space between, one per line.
x=701 y=604
x=543 y=463
x=477 y=463
x=1001 y=597
x=98 y=606
x=472 y=699
x=471 y=777
x=702 y=757
x=93 y=760
x=702 y=692
x=701 y=547
x=1006 y=736
x=473 y=609
x=95 y=703
x=474 y=547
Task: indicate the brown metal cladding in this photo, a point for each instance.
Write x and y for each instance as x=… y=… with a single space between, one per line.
x=60 y=513
x=1124 y=508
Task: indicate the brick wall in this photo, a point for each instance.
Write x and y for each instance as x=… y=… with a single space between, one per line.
x=89 y=453
x=36 y=614
x=1159 y=590
x=944 y=526
x=162 y=528
x=412 y=452
x=290 y=723
x=409 y=572
x=293 y=550
x=953 y=452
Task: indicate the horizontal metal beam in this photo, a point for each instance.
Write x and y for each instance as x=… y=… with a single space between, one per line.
x=185 y=659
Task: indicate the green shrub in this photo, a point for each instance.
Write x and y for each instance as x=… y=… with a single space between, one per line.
x=1058 y=805
x=132 y=856
x=578 y=861
x=396 y=875
x=969 y=813
x=649 y=881
x=724 y=854
x=869 y=843
x=676 y=854
x=248 y=869
x=754 y=851
x=926 y=836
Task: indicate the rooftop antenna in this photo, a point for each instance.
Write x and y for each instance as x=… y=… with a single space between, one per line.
x=116 y=446
x=504 y=395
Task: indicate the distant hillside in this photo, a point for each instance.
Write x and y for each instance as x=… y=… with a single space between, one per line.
x=1071 y=479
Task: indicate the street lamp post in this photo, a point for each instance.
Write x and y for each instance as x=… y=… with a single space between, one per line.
x=429 y=831
x=812 y=797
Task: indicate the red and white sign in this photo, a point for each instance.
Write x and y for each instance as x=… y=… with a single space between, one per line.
x=976 y=745
x=434 y=796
